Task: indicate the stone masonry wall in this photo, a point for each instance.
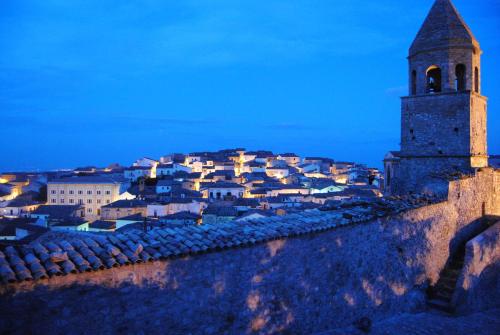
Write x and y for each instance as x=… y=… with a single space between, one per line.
x=293 y=285
x=479 y=284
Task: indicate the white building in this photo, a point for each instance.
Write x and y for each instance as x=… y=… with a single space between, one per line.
x=171 y=168
x=290 y=159
x=145 y=162
x=176 y=205
x=134 y=173
x=278 y=172
x=90 y=192
x=220 y=190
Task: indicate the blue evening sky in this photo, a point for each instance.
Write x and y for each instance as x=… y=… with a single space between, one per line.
x=91 y=82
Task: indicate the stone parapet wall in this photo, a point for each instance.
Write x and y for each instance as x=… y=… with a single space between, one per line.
x=479 y=284
x=303 y=284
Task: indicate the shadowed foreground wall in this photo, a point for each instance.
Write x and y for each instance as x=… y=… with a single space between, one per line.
x=479 y=284
x=298 y=285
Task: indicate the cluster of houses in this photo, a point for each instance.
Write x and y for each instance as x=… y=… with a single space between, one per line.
x=178 y=189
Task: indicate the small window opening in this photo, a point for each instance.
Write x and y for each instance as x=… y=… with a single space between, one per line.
x=414 y=82
x=476 y=80
x=434 y=79
x=440 y=152
x=411 y=131
x=460 y=81
x=456 y=130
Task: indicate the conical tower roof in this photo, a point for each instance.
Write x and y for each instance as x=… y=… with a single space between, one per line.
x=443 y=28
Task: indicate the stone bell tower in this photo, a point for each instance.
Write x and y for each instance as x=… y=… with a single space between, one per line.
x=443 y=119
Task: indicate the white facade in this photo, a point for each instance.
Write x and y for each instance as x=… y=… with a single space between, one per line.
x=91 y=195
x=158 y=209
x=170 y=169
x=279 y=173
x=17 y=211
x=327 y=189
x=217 y=192
x=145 y=162
x=289 y=159
x=308 y=168
x=134 y=173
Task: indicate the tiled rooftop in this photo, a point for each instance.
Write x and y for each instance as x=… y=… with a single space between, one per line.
x=72 y=253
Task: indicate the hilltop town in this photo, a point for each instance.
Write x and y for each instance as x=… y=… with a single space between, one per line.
x=178 y=189
x=253 y=242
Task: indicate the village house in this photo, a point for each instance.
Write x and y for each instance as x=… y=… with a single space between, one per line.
x=253 y=167
x=170 y=169
x=222 y=190
x=325 y=186
x=18 y=207
x=219 y=214
x=222 y=175
x=145 y=162
x=290 y=159
x=91 y=192
x=278 y=172
x=288 y=189
x=224 y=166
x=175 y=205
x=135 y=173
x=248 y=156
x=48 y=216
x=325 y=164
x=272 y=203
x=308 y=168
x=123 y=208
x=174 y=158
